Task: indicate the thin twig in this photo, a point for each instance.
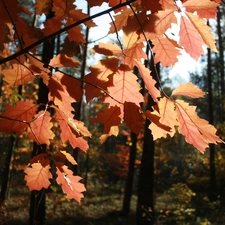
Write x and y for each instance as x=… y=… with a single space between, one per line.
x=26 y=49
x=81 y=80
x=150 y=49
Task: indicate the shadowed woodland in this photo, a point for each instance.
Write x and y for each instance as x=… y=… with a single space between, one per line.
x=94 y=130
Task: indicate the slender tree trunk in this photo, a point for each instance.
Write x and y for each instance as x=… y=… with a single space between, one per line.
x=6 y=172
x=130 y=176
x=37 y=198
x=221 y=62
x=213 y=185
x=145 y=206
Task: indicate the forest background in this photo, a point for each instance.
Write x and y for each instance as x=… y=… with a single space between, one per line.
x=129 y=175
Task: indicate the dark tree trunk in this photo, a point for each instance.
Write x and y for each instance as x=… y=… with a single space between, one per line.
x=145 y=204
x=221 y=62
x=6 y=172
x=213 y=185
x=37 y=198
x=130 y=176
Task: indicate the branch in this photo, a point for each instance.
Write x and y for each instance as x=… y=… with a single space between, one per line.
x=25 y=50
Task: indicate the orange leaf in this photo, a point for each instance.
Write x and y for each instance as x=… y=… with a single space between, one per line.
x=190 y=39
x=166 y=51
x=18 y=117
x=37 y=176
x=110 y=117
x=159 y=23
x=133 y=117
x=62 y=60
x=70 y=183
x=204 y=30
x=197 y=132
x=99 y=77
x=40 y=128
x=205 y=9
x=72 y=131
x=59 y=94
x=125 y=87
x=75 y=33
x=66 y=155
x=189 y=90
x=157 y=128
x=18 y=75
x=149 y=81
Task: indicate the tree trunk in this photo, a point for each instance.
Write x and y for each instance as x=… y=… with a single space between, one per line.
x=37 y=198
x=6 y=172
x=130 y=176
x=213 y=185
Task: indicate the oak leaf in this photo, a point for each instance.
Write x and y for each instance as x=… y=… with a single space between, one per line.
x=204 y=30
x=18 y=75
x=110 y=117
x=189 y=90
x=70 y=183
x=149 y=81
x=133 y=117
x=197 y=132
x=190 y=39
x=62 y=60
x=67 y=156
x=205 y=9
x=165 y=50
x=37 y=176
x=40 y=128
x=16 y=118
x=125 y=87
x=72 y=131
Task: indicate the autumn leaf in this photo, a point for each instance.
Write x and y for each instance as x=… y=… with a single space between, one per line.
x=205 y=9
x=18 y=75
x=70 y=183
x=67 y=156
x=40 y=128
x=62 y=60
x=159 y=23
x=189 y=90
x=149 y=81
x=37 y=176
x=196 y=131
x=133 y=117
x=166 y=51
x=190 y=39
x=16 y=118
x=109 y=117
x=98 y=76
x=204 y=30
x=163 y=118
x=125 y=87
x=70 y=131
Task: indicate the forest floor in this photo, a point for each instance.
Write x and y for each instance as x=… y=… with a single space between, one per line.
x=102 y=205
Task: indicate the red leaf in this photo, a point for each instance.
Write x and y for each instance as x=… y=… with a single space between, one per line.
x=149 y=81
x=125 y=87
x=70 y=183
x=18 y=117
x=190 y=39
x=133 y=117
x=189 y=90
x=37 y=176
x=72 y=130
x=166 y=51
x=62 y=60
x=40 y=128
x=110 y=117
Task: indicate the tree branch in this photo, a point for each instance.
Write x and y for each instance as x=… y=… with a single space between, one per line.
x=26 y=49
